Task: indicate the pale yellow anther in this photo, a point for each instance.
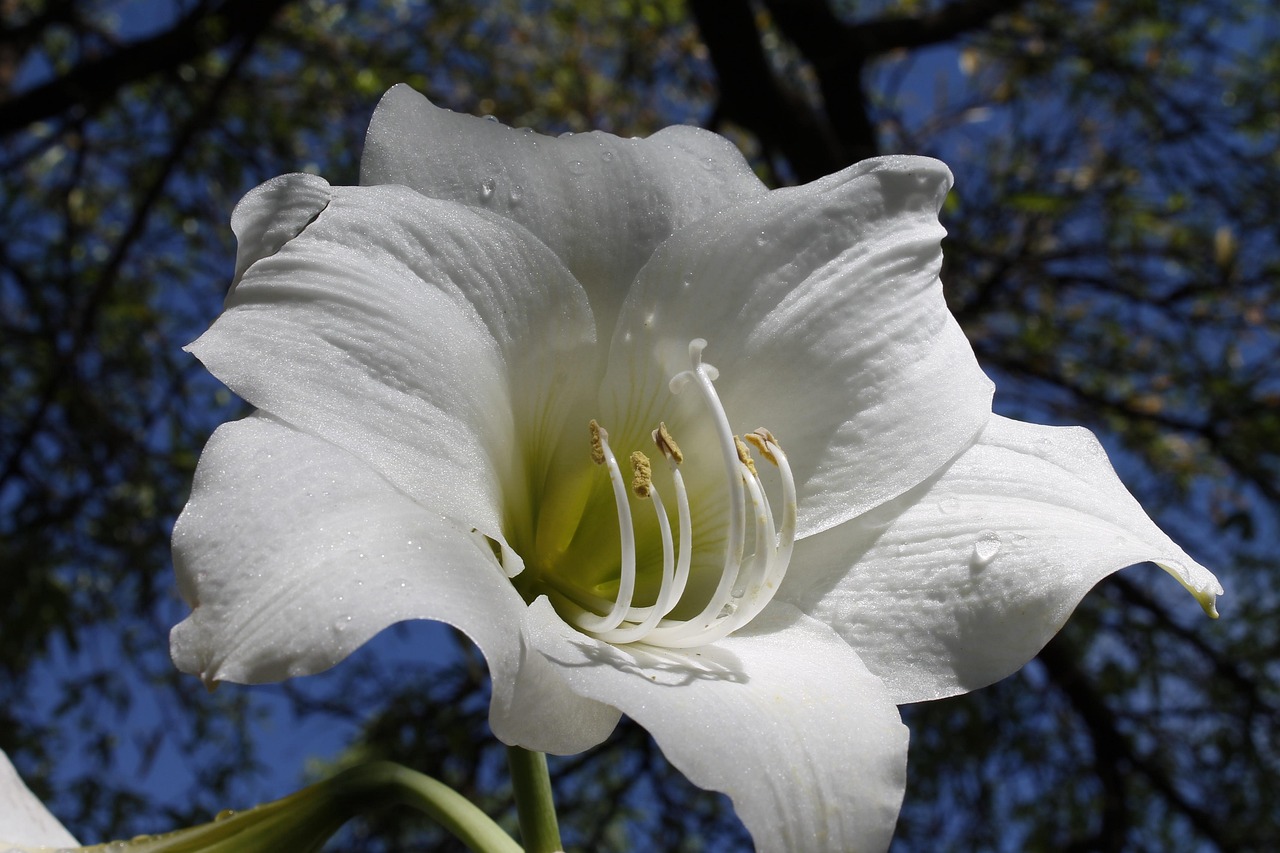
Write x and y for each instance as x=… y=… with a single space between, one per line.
x=744 y=456
x=761 y=438
x=642 y=475
x=598 y=438
x=667 y=444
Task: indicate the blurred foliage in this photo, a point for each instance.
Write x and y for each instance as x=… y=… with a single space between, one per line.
x=1112 y=255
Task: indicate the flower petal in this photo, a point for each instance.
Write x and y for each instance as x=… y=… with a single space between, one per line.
x=293 y=553
x=602 y=203
x=416 y=334
x=23 y=818
x=273 y=214
x=823 y=311
x=961 y=581
x=781 y=716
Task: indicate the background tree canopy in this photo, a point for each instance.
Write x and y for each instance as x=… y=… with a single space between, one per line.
x=1112 y=256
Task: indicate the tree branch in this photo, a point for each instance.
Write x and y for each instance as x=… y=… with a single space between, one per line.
x=106 y=280
x=1112 y=749
x=876 y=38
x=751 y=97
x=815 y=30
x=93 y=82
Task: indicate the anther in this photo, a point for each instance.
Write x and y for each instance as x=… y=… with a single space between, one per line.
x=642 y=475
x=598 y=438
x=744 y=456
x=760 y=439
x=667 y=444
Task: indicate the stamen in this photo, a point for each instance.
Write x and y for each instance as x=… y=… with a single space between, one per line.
x=601 y=454
x=786 y=536
x=671 y=450
x=667 y=595
x=719 y=606
x=745 y=586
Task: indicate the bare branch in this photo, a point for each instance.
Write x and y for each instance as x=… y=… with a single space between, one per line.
x=92 y=83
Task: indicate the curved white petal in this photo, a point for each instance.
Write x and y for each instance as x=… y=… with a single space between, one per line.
x=293 y=553
x=273 y=214
x=602 y=203
x=823 y=312
x=961 y=581
x=23 y=818
x=781 y=716
x=415 y=333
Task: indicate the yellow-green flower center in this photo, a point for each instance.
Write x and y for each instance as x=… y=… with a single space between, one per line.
x=621 y=571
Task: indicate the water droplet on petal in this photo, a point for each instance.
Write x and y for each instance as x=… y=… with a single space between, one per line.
x=762 y=238
x=487 y=186
x=577 y=167
x=985 y=549
x=606 y=155
x=515 y=194
x=948 y=505
x=491 y=118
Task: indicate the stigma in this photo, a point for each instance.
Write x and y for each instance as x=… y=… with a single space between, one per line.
x=757 y=548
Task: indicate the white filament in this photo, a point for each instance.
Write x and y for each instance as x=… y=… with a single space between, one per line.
x=592 y=622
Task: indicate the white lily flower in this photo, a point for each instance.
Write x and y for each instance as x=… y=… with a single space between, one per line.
x=426 y=354
x=25 y=823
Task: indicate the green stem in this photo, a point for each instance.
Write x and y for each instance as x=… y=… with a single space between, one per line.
x=446 y=806
x=539 y=829
x=304 y=821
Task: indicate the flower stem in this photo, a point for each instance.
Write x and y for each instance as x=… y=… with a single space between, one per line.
x=539 y=829
x=305 y=820
x=450 y=809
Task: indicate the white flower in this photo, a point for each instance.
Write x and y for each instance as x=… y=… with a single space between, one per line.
x=23 y=818
x=426 y=353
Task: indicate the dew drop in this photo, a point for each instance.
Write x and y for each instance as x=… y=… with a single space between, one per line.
x=491 y=118
x=224 y=814
x=762 y=238
x=577 y=167
x=487 y=186
x=948 y=505
x=985 y=549
x=515 y=194
x=688 y=279
x=606 y=155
